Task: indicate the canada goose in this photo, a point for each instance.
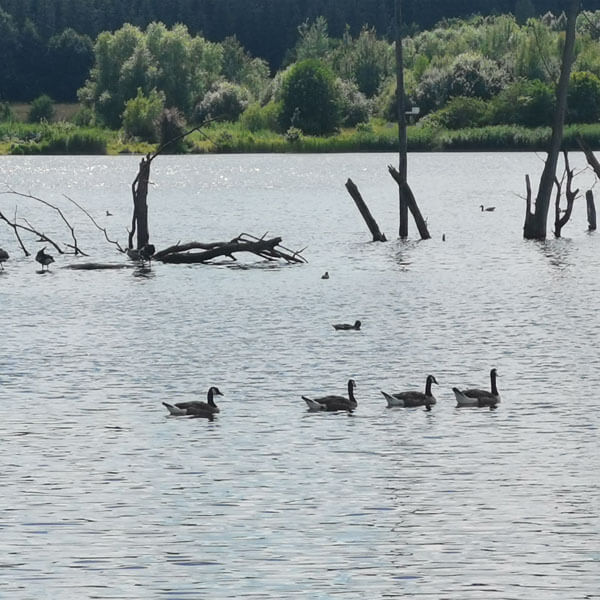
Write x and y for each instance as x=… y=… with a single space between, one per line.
x=487 y=208
x=477 y=397
x=347 y=326
x=413 y=398
x=3 y=258
x=44 y=259
x=325 y=275
x=333 y=403
x=196 y=408
x=108 y=213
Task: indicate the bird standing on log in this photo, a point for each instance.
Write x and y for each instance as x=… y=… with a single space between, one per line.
x=44 y=259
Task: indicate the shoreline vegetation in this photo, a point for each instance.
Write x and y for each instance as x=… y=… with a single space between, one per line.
x=482 y=84
x=66 y=138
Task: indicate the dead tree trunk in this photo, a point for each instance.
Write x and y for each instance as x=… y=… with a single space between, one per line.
x=139 y=189
x=401 y=110
x=570 y=194
x=365 y=212
x=535 y=222
x=411 y=202
x=591 y=210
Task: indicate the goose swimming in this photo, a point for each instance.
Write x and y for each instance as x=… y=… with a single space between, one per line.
x=413 y=398
x=3 y=258
x=333 y=403
x=487 y=208
x=347 y=326
x=196 y=408
x=477 y=397
x=44 y=259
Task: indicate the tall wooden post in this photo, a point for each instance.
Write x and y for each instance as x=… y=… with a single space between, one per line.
x=401 y=115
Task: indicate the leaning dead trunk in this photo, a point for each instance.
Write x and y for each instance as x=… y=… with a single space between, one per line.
x=365 y=212
x=411 y=203
x=535 y=222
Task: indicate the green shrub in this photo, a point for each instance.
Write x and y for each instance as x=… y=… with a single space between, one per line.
x=310 y=98
x=583 y=98
x=141 y=115
x=257 y=117
x=42 y=109
x=6 y=113
x=226 y=102
x=460 y=112
x=525 y=102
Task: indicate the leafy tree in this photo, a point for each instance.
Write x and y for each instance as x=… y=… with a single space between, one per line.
x=32 y=63
x=72 y=55
x=141 y=115
x=310 y=98
x=227 y=102
x=41 y=109
x=9 y=50
x=367 y=61
x=354 y=106
x=239 y=67
x=583 y=99
x=469 y=75
x=314 y=40
x=171 y=128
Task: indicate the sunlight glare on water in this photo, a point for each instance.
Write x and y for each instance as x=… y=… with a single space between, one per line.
x=106 y=496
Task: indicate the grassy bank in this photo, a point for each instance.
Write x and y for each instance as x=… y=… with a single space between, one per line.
x=63 y=137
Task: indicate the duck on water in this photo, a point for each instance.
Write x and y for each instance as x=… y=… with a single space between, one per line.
x=333 y=403
x=347 y=326
x=478 y=397
x=196 y=408
x=413 y=398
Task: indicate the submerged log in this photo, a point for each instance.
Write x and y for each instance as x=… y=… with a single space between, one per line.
x=365 y=212
x=591 y=210
x=270 y=249
x=93 y=266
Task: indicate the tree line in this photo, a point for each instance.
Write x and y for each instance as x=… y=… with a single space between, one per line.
x=46 y=44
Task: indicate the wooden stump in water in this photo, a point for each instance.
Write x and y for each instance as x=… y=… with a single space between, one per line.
x=591 y=210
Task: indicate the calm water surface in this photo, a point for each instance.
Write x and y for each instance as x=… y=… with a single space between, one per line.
x=105 y=496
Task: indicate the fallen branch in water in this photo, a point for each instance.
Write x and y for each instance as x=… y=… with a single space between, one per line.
x=270 y=249
x=74 y=246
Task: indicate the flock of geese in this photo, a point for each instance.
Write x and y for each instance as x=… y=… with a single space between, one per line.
x=42 y=257
x=472 y=397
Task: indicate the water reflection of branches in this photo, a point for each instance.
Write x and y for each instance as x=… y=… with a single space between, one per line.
x=558 y=252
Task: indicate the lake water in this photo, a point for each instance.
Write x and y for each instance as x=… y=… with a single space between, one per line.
x=105 y=496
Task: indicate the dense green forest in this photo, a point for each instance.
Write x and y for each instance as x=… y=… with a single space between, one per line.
x=493 y=75
x=46 y=45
